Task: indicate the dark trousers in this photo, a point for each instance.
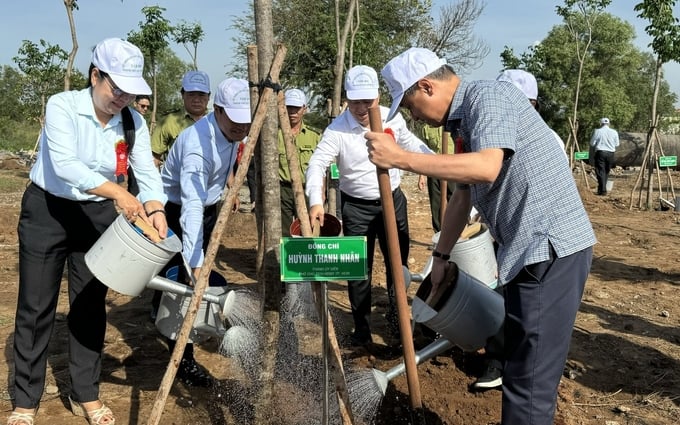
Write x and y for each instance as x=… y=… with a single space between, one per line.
x=541 y=303
x=288 y=212
x=55 y=231
x=252 y=181
x=173 y=213
x=434 y=192
x=364 y=218
x=604 y=161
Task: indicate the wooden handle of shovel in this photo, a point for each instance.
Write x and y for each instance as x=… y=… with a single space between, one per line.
x=148 y=230
x=390 y=220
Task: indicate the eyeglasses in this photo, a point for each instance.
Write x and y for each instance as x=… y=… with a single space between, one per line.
x=115 y=90
x=143 y=106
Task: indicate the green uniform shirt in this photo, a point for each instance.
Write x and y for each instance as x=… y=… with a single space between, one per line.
x=166 y=132
x=432 y=136
x=306 y=142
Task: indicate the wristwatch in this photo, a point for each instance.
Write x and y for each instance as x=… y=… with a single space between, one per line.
x=438 y=254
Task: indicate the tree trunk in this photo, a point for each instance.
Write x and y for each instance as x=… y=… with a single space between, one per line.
x=269 y=277
x=74 y=41
x=340 y=54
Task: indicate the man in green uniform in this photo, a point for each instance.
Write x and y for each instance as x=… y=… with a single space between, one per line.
x=432 y=137
x=195 y=94
x=306 y=140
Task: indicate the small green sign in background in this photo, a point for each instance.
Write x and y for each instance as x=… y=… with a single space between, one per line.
x=668 y=161
x=581 y=155
x=335 y=173
x=321 y=259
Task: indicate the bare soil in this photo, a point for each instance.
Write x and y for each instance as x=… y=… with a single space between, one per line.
x=623 y=367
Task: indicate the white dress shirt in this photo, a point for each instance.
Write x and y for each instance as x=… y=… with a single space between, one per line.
x=194 y=176
x=77 y=154
x=343 y=141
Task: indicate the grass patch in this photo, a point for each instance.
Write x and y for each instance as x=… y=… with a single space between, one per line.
x=13 y=180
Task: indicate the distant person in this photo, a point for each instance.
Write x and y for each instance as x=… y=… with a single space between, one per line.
x=72 y=198
x=198 y=167
x=432 y=136
x=604 y=141
x=142 y=104
x=362 y=211
x=306 y=139
x=195 y=93
x=509 y=168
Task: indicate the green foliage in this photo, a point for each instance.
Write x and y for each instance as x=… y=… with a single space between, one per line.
x=169 y=82
x=663 y=28
x=44 y=69
x=189 y=34
x=617 y=81
x=308 y=30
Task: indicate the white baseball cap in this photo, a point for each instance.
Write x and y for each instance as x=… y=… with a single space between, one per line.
x=361 y=82
x=405 y=70
x=196 y=81
x=295 y=97
x=604 y=121
x=523 y=80
x=123 y=62
x=233 y=95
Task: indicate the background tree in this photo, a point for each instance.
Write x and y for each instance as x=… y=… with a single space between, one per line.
x=665 y=33
x=580 y=17
x=152 y=38
x=71 y=5
x=450 y=35
x=617 y=79
x=383 y=32
x=43 y=66
x=189 y=35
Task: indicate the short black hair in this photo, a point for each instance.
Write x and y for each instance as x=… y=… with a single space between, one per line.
x=142 y=96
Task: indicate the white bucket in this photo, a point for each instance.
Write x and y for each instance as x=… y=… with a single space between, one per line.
x=475 y=256
x=125 y=260
x=467 y=314
x=173 y=308
x=610 y=185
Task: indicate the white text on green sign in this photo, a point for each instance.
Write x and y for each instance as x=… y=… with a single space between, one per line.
x=668 y=161
x=321 y=259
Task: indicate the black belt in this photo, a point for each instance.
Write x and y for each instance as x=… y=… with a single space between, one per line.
x=285 y=183
x=361 y=201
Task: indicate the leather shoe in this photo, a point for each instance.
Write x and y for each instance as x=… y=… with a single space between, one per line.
x=193 y=374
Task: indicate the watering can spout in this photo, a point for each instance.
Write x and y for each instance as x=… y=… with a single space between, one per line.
x=225 y=301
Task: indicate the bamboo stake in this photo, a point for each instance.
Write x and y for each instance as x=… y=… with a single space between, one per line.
x=389 y=218
x=211 y=252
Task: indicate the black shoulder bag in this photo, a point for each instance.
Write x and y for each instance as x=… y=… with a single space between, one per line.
x=129 y=133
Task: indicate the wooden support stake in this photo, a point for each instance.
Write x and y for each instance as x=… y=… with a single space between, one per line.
x=211 y=252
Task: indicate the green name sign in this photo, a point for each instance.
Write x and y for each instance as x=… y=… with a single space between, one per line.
x=321 y=259
x=335 y=173
x=668 y=161
x=582 y=155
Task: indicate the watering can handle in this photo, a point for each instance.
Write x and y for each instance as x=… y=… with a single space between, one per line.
x=451 y=275
x=148 y=230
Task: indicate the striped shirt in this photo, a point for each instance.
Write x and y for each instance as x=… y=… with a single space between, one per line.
x=534 y=202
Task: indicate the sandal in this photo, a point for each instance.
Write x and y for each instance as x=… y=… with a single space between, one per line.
x=100 y=416
x=22 y=418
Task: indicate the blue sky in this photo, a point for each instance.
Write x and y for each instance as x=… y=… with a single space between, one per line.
x=517 y=24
